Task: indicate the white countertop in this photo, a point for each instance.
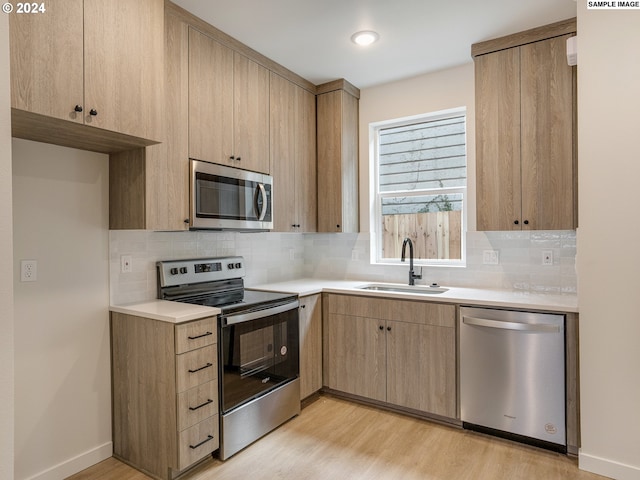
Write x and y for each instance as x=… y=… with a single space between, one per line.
x=173 y=312
x=459 y=295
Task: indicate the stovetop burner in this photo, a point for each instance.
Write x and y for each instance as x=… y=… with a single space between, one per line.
x=213 y=282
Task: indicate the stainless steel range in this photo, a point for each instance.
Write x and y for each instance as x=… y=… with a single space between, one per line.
x=258 y=350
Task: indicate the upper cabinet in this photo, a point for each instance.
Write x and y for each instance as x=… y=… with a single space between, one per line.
x=337 y=131
x=525 y=131
x=88 y=63
x=293 y=156
x=149 y=187
x=228 y=106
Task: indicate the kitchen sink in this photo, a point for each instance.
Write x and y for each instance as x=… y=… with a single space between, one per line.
x=419 y=290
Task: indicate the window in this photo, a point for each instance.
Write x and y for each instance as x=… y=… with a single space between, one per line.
x=419 y=181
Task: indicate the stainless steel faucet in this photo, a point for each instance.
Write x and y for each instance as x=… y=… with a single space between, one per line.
x=412 y=276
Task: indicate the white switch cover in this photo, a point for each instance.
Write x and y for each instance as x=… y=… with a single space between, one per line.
x=491 y=257
x=125 y=264
x=28 y=270
x=547 y=257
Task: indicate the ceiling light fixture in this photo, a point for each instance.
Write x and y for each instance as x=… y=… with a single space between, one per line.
x=364 y=38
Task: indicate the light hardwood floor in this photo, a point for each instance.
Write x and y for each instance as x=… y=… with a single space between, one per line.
x=337 y=439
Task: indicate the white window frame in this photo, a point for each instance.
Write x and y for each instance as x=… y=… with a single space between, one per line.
x=375 y=196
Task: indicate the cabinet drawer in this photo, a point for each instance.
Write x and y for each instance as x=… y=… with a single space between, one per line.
x=197 y=404
x=192 y=335
x=424 y=313
x=195 y=368
x=197 y=442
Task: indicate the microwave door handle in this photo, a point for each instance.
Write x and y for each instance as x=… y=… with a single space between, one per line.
x=263 y=194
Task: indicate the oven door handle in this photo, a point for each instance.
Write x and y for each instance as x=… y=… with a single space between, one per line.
x=267 y=312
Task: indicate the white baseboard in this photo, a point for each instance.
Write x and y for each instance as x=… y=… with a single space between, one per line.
x=608 y=468
x=76 y=464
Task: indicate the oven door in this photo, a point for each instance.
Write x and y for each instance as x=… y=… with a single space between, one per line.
x=229 y=198
x=259 y=351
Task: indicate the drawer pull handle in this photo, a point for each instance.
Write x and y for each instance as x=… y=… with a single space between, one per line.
x=200 y=336
x=201 y=368
x=209 y=437
x=203 y=405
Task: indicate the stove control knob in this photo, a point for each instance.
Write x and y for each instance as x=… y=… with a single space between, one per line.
x=238 y=265
x=183 y=270
x=230 y=266
x=173 y=271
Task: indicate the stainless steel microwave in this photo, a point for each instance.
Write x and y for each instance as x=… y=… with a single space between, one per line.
x=226 y=198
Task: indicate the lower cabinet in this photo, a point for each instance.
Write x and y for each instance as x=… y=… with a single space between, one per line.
x=310 y=345
x=165 y=393
x=398 y=352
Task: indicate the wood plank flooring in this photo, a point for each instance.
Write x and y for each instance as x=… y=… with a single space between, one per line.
x=338 y=439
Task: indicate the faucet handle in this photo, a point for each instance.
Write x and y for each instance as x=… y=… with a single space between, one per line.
x=418 y=276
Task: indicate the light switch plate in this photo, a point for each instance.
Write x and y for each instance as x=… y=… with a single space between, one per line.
x=125 y=264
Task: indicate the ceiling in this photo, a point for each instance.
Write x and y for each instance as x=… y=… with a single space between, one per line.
x=312 y=37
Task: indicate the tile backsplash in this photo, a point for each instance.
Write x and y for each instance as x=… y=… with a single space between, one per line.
x=274 y=257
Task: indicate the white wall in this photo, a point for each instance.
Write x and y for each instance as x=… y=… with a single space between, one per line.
x=62 y=372
x=6 y=264
x=609 y=240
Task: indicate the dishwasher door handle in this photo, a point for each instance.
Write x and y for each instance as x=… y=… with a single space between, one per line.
x=522 y=327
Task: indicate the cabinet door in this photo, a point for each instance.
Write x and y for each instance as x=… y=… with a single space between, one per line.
x=293 y=156
x=547 y=136
x=356 y=356
x=310 y=345
x=250 y=115
x=421 y=367
x=47 y=60
x=497 y=77
x=210 y=99
x=337 y=162
x=305 y=160
x=123 y=66
x=283 y=153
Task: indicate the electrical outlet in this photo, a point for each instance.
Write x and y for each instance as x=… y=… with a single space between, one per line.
x=125 y=264
x=28 y=270
x=491 y=257
x=547 y=257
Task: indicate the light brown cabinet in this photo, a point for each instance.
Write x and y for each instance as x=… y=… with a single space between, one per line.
x=228 y=106
x=165 y=393
x=88 y=63
x=337 y=133
x=149 y=187
x=310 y=345
x=398 y=352
x=293 y=156
x=525 y=132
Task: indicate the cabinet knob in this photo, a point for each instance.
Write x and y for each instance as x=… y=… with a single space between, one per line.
x=186 y=220
x=381 y=327
x=238 y=158
x=303 y=306
x=388 y=329
x=526 y=222
x=232 y=157
x=78 y=108
x=93 y=112
x=337 y=226
x=516 y=222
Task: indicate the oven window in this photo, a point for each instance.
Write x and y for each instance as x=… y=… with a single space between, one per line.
x=258 y=356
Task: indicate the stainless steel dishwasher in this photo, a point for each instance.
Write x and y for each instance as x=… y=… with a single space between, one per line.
x=512 y=375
